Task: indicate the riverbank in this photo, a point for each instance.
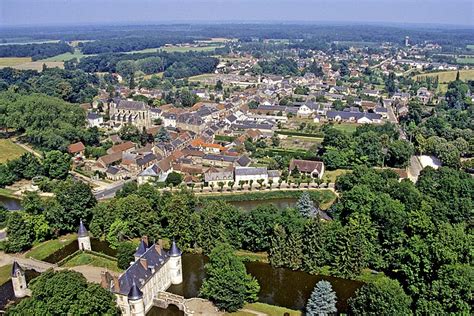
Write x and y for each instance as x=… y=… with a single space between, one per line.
x=8 y=194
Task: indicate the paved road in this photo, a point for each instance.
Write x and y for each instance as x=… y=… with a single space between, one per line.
x=110 y=191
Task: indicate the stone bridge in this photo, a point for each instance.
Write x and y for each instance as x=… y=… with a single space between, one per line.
x=164 y=299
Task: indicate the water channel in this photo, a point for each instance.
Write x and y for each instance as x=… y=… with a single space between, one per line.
x=10 y=203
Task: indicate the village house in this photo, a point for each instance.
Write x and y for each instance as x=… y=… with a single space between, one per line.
x=314 y=169
x=77 y=149
x=94 y=120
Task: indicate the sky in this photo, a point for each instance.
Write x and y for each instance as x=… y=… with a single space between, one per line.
x=89 y=12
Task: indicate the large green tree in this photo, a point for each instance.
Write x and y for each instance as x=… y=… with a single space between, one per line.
x=65 y=293
x=227 y=283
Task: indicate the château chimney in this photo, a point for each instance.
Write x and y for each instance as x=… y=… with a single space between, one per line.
x=145 y=239
x=144 y=263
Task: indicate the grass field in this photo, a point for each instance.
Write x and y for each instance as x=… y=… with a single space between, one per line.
x=5 y=272
x=270 y=310
x=183 y=49
x=46 y=248
x=201 y=77
x=465 y=60
x=447 y=76
x=331 y=175
x=9 y=150
x=66 y=56
x=13 y=61
x=346 y=127
x=470 y=46
x=83 y=258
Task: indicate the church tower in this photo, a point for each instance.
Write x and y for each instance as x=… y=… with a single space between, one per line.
x=135 y=300
x=175 y=268
x=83 y=238
x=18 y=280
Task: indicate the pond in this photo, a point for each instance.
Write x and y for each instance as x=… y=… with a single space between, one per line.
x=278 y=286
x=6 y=290
x=9 y=203
x=280 y=203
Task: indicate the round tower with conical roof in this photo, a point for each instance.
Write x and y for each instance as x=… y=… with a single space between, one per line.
x=142 y=247
x=18 y=280
x=135 y=300
x=174 y=264
x=83 y=238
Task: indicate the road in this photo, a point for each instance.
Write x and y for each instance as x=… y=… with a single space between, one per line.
x=109 y=192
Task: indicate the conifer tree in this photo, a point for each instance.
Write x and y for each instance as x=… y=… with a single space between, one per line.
x=305 y=206
x=322 y=301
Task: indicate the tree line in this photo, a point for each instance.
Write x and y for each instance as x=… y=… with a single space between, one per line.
x=35 y=51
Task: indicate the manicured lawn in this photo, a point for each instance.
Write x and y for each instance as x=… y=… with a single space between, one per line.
x=84 y=258
x=5 y=272
x=331 y=175
x=13 y=61
x=46 y=248
x=270 y=310
x=346 y=127
x=447 y=76
x=9 y=150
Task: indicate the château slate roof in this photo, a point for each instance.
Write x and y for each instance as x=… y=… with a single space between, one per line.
x=140 y=272
x=135 y=292
x=16 y=268
x=141 y=248
x=174 y=251
x=82 y=232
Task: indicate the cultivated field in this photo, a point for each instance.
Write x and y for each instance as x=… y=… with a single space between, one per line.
x=25 y=63
x=447 y=76
x=13 y=61
x=9 y=150
x=465 y=60
x=183 y=49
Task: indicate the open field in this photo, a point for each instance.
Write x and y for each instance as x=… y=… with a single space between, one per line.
x=83 y=258
x=300 y=142
x=66 y=56
x=49 y=247
x=447 y=76
x=470 y=46
x=183 y=49
x=9 y=150
x=201 y=77
x=346 y=127
x=5 y=272
x=266 y=309
x=13 y=61
x=331 y=175
x=29 y=65
x=465 y=60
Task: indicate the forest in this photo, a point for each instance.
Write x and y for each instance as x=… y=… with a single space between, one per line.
x=35 y=51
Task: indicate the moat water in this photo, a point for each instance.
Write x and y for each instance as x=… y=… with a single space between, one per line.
x=10 y=203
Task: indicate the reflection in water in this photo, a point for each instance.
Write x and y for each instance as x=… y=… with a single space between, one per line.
x=6 y=289
x=279 y=286
x=9 y=203
x=278 y=203
x=170 y=311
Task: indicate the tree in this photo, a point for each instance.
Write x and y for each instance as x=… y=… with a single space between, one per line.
x=56 y=164
x=75 y=199
x=322 y=300
x=399 y=153
x=20 y=233
x=380 y=297
x=305 y=205
x=174 y=178
x=65 y=293
x=227 y=284
x=125 y=254
x=162 y=136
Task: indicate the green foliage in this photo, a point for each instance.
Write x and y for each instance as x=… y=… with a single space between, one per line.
x=380 y=297
x=322 y=300
x=280 y=66
x=227 y=284
x=74 y=202
x=57 y=164
x=174 y=178
x=65 y=293
x=25 y=167
x=125 y=254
